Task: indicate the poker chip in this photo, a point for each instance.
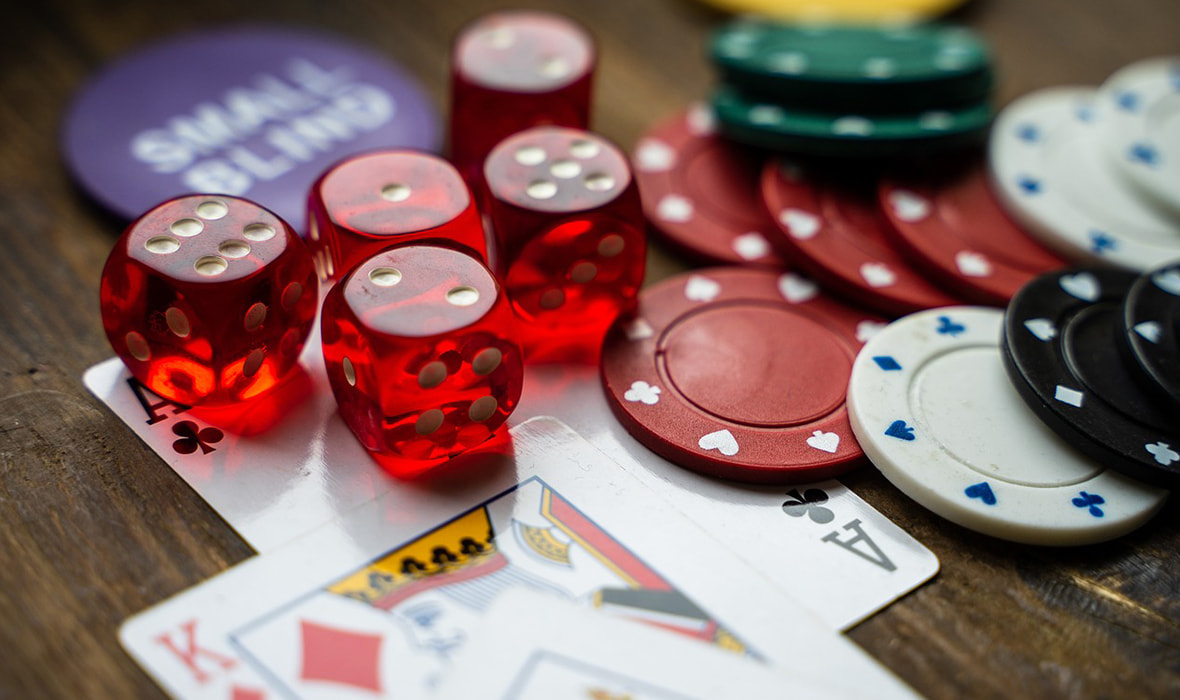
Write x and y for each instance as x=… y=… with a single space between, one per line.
x=884 y=11
x=1063 y=359
x=837 y=234
x=253 y=111
x=755 y=122
x=835 y=67
x=1050 y=172
x=930 y=405
x=738 y=373
x=701 y=193
x=1142 y=102
x=1151 y=329
x=949 y=223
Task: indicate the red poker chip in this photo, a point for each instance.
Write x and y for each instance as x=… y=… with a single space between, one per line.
x=700 y=193
x=951 y=225
x=739 y=373
x=838 y=235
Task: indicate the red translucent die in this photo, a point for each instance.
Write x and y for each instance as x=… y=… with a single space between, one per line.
x=369 y=202
x=208 y=299
x=570 y=231
x=512 y=70
x=420 y=353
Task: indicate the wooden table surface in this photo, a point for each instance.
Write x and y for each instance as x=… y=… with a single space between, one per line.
x=94 y=527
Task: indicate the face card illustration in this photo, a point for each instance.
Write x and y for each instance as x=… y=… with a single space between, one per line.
x=821 y=543
x=378 y=606
x=537 y=647
x=308 y=469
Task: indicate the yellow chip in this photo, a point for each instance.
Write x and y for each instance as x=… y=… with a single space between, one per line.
x=887 y=11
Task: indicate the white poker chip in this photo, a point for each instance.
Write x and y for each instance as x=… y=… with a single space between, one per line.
x=1142 y=131
x=1051 y=172
x=933 y=409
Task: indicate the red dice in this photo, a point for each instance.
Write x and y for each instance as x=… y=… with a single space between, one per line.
x=513 y=70
x=370 y=202
x=570 y=230
x=420 y=354
x=208 y=299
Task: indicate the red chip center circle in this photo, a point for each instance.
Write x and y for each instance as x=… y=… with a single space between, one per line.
x=755 y=364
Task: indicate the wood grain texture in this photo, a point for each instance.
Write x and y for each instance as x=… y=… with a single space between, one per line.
x=94 y=527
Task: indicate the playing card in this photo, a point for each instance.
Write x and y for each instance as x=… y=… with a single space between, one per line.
x=821 y=543
x=537 y=647
x=379 y=603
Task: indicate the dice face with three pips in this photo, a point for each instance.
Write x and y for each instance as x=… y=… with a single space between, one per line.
x=420 y=354
x=372 y=201
x=511 y=71
x=570 y=230
x=208 y=299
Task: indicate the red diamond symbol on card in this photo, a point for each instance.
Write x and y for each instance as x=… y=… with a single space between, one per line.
x=240 y=693
x=340 y=656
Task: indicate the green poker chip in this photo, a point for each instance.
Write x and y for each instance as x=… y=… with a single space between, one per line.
x=845 y=134
x=897 y=69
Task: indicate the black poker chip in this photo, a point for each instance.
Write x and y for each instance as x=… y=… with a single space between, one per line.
x=1061 y=352
x=1151 y=333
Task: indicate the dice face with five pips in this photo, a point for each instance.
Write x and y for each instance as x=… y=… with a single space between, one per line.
x=513 y=70
x=420 y=354
x=208 y=299
x=376 y=200
x=570 y=233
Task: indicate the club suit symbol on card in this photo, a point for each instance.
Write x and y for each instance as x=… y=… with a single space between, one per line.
x=193 y=437
x=813 y=503
x=809 y=503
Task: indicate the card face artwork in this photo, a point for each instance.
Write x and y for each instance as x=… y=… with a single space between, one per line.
x=380 y=603
x=819 y=543
x=538 y=647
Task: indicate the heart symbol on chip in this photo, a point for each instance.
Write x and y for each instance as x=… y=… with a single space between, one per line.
x=908 y=206
x=972 y=264
x=701 y=289
x=751 y=246
x=1149 y=330
x=877 y=274
x=898 y=429
x=675 y=208
x=796 y=289
x=722 y=440
x=1081 y=285
x=802 y=224
x=654 y=155
x=1168 y=281
x=982 y=491
x=826 y=442
x=1042 y=328
x=852 y=126
x=642 y=392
